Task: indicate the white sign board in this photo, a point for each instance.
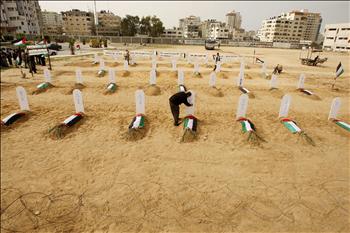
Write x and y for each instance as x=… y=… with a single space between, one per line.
x=284 y=108
x=191 y=100
x=180 y=77
x=334 y=108
x=47 y=76
x=22 y=98
x=212 y=79
x=242 y=106
x=301 y=81
x=78 y=101
x=140 y=102
x=79 y=76
x=111 y=75
x=273 y=82
x=240 y=79
x=152 y=77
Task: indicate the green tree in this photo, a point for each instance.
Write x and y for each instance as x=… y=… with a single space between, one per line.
x=130 y=25
x=156 y=27
x=145 y=25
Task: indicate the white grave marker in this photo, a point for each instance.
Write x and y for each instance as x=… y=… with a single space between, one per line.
x=78 y=101
x=263 y=68
x=334 y=108
x=154 y=64
x=273 y=82
x=240 y=79
x=301 y=81
x=140 y=102
x=242 y=106
x=111 y=73
x=180 y=77
x=196 y=67
x=152 y=77
x=212 y=79
x=79 y=76
x=126 y=66
x=191 y=100
x=95 y=58
x=102 y=64
x=47 y=76
x=218 y=67
x=22 y=98
x=284 y=108
x=173 y=63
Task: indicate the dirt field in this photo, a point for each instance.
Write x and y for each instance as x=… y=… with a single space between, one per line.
x=94 y=180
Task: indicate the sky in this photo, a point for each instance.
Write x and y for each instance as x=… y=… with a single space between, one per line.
x=252 y=12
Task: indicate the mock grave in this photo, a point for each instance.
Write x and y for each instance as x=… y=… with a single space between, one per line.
x=44 y=86
x=333 y=115
x=111 y=86
x=190 y=122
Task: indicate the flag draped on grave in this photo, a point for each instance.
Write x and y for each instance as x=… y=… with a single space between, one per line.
x=340 y=70
x=112 y=87
x=43 y=85
x=73 y=119
x=291 y=125
x=343 y=124
x=247 y=125
x=138 y=122
x=190 y=123
x=12 y=118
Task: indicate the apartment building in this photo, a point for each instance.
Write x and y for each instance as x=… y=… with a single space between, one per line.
x=337 y=37
x=76 y=22
x=20 y=17
x=233 y=20
x=294 y=26
x=190 y=26
x=214 y=29
x=108 y=24
x=52 y=23
x=172 y=32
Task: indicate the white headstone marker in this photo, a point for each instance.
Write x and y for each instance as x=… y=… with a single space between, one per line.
x=301 y=81
x=140 y=102
x=284 y=108
x=242 y=106
x=240 y=79
x=79 y=76
x=111 y=75
x=22 y=98
x=154 y=64
x=212 y=79
x=47 y=76
x=126 y=66
x=95 y=58
x=218 y=67
x=273 y=82
x=152 y=77
x=191 y=100
x=102 y=64
x=334 y=108
x=180 y=77
x=196 y=67
x=173 y=63
x=78 y=101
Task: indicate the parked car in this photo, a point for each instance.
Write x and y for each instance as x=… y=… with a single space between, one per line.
x=56 y=47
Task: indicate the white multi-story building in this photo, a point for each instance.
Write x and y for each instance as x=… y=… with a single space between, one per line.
x=76 y=22
x=52 y=23
x=20 y=17
x=294 y=26
x=214 y=29
x=190 y=26
x=337 y=37
x=233 y=20
x=172 y=32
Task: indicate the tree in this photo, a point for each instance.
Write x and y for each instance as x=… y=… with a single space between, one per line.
x=157 y=26
x=145 y=25
x=130 y=25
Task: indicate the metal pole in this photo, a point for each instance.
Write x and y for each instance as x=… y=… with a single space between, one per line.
x=48 y=55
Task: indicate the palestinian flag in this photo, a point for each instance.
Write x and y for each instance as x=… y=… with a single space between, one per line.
x=42 y=86
x=101 y=72
x=22 y=42
x=339 y=70
x=12 y=118
x=342 y=124
x=112 y=87
x=138 y=122
x=70 y=121
x=244 y=90
x=190 y=123
x=259 y=60
x=182 y=88
x=247 y=125
x=306 y=92
x=291 y=125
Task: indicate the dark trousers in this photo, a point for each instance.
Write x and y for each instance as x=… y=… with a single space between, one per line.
x=175 y=110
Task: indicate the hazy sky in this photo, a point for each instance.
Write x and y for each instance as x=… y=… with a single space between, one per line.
x=253 y=12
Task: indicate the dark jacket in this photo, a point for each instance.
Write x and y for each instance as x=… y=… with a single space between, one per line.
x=180 y=98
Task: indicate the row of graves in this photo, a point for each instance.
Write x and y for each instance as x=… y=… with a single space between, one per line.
x=139 y=124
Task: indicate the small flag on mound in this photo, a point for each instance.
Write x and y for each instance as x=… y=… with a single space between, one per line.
x=111 y=87
x=190 y=123
x=12 y=118
x=73 y=119
x=138 y=122
x=244 y=90
x=340 y=70
x=291 y=125
x=43 y=85
x=247 y=125
x=343 y=124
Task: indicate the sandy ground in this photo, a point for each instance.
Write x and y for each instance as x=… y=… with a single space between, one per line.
x=94 y=180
